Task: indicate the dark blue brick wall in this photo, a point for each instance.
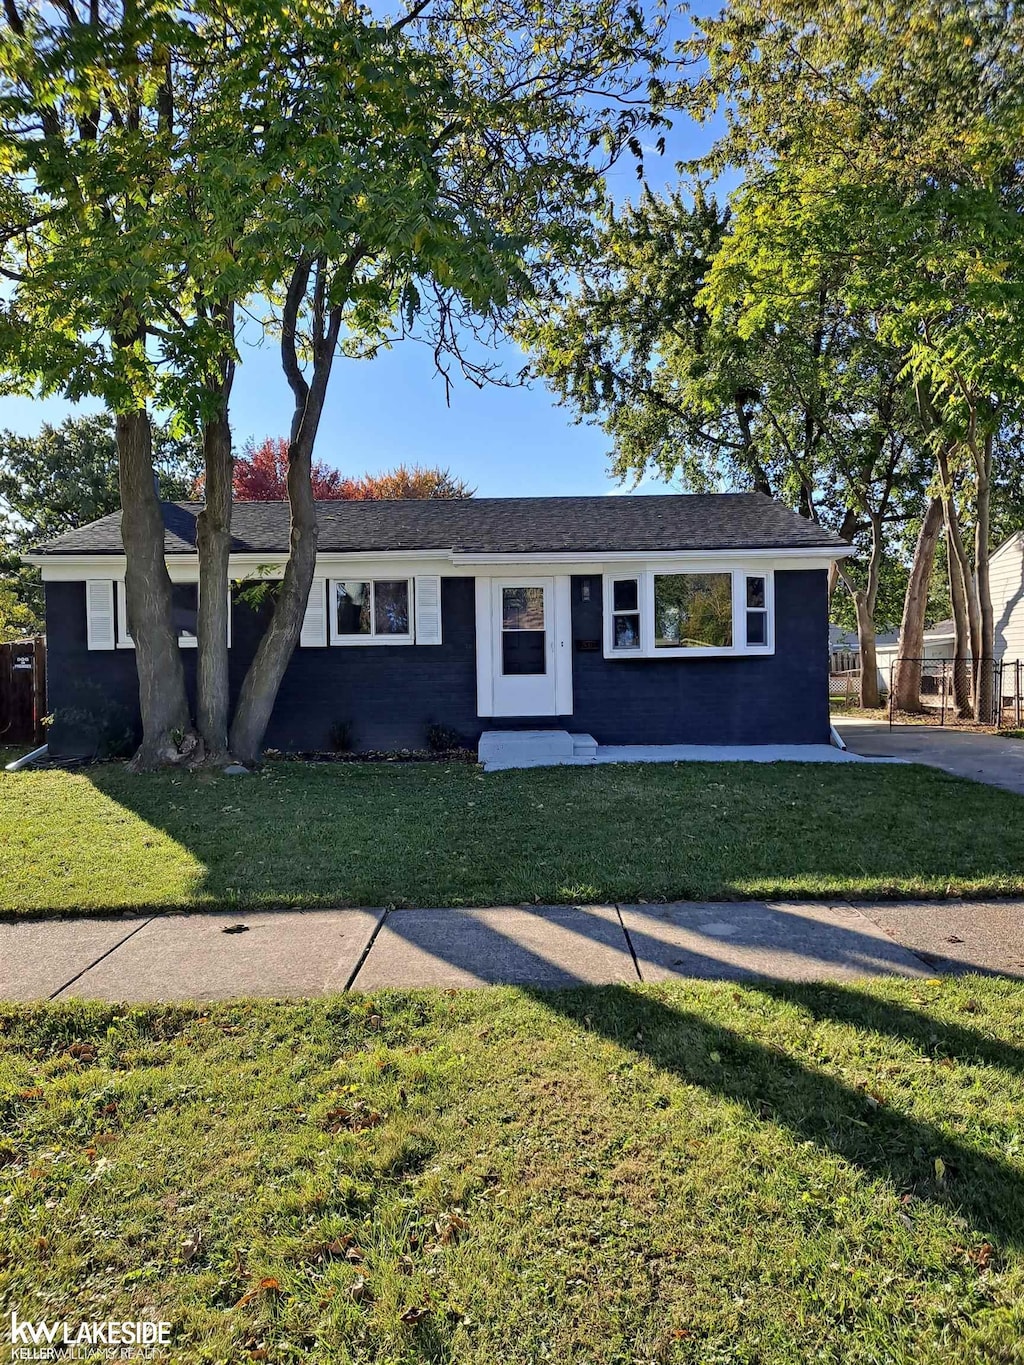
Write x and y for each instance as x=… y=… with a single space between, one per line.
x=389 y=694
x=780 y=698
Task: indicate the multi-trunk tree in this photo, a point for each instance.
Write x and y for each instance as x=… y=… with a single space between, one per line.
x=361 y=179
x=886 y=136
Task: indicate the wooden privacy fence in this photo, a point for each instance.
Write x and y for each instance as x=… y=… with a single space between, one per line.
x=23 y=691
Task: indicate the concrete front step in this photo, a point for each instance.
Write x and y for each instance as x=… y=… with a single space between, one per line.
x=534 y=749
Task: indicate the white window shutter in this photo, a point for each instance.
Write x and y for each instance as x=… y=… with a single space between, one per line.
x=314 y=623
x=99 y=613
x=124 y=639
x=428 y=610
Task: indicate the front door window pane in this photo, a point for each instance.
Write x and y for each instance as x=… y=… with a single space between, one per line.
x=391 y=606
x=353 y=608
x=693 y=611
x=522 y=608
x=523 y=637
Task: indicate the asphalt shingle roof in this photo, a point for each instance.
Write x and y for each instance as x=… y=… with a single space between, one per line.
x=703 y=521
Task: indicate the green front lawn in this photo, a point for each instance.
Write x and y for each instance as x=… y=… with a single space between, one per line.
x=428 y=834
x=706 y=1173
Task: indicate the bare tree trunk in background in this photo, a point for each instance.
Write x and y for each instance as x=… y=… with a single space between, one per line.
x=907 y=676
x=864 y=601
x=961 y=625
x=870 y=695
x=213 y=541
x=961 y=595
x=167 y=734
x=263 y=679
x=984 y=665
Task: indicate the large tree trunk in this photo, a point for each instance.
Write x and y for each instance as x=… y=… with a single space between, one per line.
x=263 y=678
x=961 y=624
x=167 y=735
x=984 y=674
x=213 y=541
x=213 y=538
x=966 y=619
x=264 y=675
x=907 y=677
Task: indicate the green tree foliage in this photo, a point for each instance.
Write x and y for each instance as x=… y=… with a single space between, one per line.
x=881 y=147
x=62 y=478
x=370 y=177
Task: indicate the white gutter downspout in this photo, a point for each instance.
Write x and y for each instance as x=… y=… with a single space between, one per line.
x=26 y=759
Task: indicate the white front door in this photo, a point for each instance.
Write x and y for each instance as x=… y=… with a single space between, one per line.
x=523 y=640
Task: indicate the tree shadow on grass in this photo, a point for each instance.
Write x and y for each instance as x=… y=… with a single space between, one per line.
x=400 y=834
x=885 y=1143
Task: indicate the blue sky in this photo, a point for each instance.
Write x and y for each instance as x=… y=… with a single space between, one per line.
x=392 y=409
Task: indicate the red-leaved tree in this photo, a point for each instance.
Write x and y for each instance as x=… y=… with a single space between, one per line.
x=261 y=472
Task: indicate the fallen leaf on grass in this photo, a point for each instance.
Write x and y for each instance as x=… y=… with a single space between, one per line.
x=352 y=1118
x=268 y=1285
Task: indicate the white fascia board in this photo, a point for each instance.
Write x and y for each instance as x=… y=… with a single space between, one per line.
x=184 y=568
x=73 y=568
x=815 y=557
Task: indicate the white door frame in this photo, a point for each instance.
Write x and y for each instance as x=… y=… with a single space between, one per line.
x=548 y=694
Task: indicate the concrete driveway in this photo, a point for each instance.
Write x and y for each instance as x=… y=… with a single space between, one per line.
x=984 y=758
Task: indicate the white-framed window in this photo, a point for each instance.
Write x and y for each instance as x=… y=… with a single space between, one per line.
x=688 y=613
x=184 y=614
x=756 y=622
x=371 y=611
x=624 y=608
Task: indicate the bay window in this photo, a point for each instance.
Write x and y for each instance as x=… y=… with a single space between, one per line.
x=691 y=612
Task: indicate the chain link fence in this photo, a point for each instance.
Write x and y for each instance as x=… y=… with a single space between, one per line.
x=945 y=692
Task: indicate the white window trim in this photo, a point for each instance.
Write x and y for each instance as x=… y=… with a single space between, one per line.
x=645 y=597
x=125 y=641
x=336 y=638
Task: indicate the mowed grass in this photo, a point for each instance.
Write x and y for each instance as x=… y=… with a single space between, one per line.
x=434 y=835
x=616 y=1175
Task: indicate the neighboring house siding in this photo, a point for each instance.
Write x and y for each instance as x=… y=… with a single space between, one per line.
x=1007 y=585
x=389 y=694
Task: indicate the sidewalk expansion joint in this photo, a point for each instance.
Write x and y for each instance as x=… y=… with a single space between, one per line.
x=366 y=951
x=629 y=943
x=119 y=944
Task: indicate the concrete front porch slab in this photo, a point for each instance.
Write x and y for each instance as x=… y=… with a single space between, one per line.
x=749 y=939
x=38 y=957
x=202 y=957
x=525 y=945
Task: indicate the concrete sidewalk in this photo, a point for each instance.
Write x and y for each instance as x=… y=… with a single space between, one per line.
x=315 y=952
